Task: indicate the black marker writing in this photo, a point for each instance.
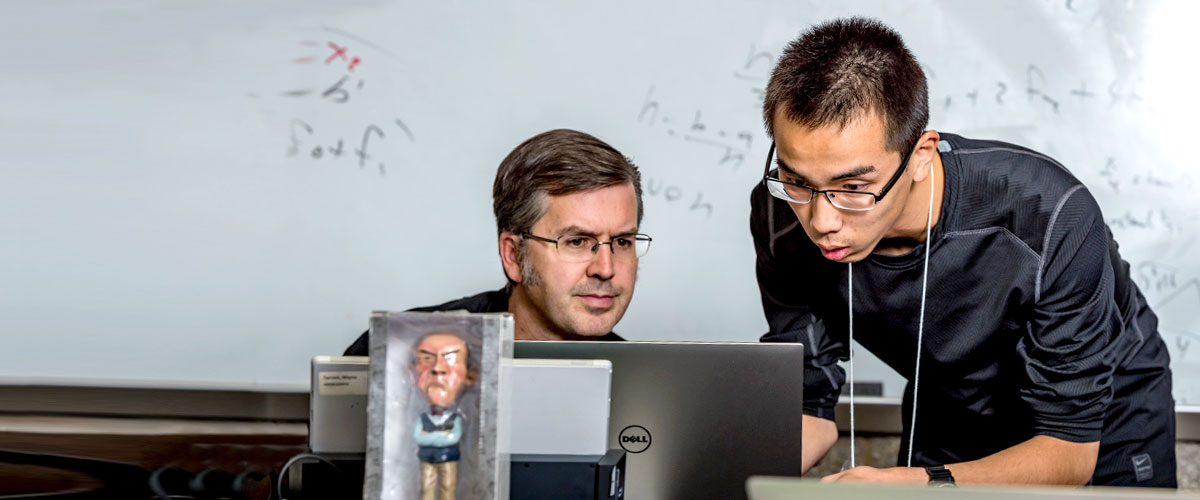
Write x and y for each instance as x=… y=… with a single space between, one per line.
x=699 y=204
x=362 y=150
x=300 y=132
x=649 y=106
x=295 y=147
x=673 y=193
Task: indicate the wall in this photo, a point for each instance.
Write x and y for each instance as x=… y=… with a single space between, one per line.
x=208 y=193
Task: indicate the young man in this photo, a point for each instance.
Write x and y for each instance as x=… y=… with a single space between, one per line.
x=567 y=209
x=981 y=271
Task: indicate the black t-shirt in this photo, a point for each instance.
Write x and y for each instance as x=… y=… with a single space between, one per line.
x=486 y=302
x=1032 y=324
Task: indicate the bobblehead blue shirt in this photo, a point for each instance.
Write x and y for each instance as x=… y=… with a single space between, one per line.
x=439 y=438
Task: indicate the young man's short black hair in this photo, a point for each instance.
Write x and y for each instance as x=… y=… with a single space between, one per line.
x=842 y=70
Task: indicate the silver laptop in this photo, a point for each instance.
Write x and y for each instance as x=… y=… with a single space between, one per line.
x=557 y=406
x=337 y=413
x=695 y=418
x=780 y=488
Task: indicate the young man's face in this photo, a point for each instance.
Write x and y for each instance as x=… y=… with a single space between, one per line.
x=441 y=368
x=852 y=158
x=581 y=298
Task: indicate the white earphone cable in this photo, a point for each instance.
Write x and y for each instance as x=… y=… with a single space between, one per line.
x=850 y=299
x=912 y=426
x=920 y=330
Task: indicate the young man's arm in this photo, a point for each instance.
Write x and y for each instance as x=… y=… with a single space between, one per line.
x=819 y=437
x=786 y=307
x=1040 y=460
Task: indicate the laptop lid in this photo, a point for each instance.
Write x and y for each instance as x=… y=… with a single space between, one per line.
x=790 y=488
x=696 y=418
x=558 y=406
x=337 y=413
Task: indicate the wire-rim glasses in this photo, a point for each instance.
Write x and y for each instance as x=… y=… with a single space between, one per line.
x=581 y=247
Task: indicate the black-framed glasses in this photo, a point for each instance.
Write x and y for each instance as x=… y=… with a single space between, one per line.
x=846 y=200
x=581 y=247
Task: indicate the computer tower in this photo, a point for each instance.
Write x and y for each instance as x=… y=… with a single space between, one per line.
x=568 y=477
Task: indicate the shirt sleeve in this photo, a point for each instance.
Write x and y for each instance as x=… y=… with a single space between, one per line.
x=419 y=435
x=457 y=432
x=439 y=439
x=786 y=306
x=360 y=345
x=1076 y=337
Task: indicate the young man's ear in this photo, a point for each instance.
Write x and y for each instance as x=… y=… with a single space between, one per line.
x=510 y=255
x=923 y=155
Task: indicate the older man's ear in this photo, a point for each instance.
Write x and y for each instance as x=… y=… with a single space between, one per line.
x=510 y=255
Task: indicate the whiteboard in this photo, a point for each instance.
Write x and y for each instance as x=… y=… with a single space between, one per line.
x=211 y=192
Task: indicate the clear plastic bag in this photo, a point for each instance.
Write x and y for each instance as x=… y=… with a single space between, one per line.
x=433 y=408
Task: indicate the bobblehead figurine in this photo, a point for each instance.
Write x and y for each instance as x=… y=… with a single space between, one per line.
x=442 y=375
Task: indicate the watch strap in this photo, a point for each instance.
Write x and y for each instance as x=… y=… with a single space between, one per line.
x=939 y=475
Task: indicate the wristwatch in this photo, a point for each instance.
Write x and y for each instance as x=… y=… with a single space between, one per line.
x=939 y=476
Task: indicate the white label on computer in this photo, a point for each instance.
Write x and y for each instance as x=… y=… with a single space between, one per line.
x=343 y=383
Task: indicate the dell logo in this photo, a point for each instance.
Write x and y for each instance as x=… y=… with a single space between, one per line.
x=634 y=439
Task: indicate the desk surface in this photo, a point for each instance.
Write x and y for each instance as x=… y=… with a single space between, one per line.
x=879 y=415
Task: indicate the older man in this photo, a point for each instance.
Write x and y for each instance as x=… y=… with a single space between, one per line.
x=567 y=209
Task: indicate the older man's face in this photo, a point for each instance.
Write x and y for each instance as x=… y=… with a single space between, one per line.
x=441 y=368
x=581 y=298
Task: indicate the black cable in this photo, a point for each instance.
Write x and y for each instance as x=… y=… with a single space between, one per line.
x=119 y=480
x=239 y=482
x=173 y=477
x=212 y=483
x=302 y=456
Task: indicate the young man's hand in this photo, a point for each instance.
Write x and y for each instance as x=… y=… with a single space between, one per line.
x=867 y=474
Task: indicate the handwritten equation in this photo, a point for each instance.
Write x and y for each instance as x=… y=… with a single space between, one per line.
x=731 y=145
x=338 y=92
x=336 y=53
x=1116 y=177
x=673 y=195
x=1151 y=219
x=304 y=138
x=1180 y=298
x=756 y=70
x=339 y=78
x=1000 y=93
x=1157 y=277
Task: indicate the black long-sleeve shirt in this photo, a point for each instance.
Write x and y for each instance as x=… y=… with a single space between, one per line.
x=1032 y=325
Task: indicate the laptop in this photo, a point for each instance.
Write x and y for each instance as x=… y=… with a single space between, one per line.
x=337 y=413
x=790 y=488
x=696 y=419
x=557 y=406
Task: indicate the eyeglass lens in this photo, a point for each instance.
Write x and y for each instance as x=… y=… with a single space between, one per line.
x=580 y=247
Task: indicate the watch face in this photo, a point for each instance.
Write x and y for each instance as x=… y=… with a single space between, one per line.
x=943 y=484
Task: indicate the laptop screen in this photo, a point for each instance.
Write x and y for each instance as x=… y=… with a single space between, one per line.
x=696 y=419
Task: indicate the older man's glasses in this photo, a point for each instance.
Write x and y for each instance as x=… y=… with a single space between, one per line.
x=580 y=248
x=795 y=192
